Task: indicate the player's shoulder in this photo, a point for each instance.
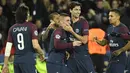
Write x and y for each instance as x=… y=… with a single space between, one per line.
x=13 y=26
x=30 y=24
x=123 y=25
x=83 y=19
x=58 y=30
x=58 y=33
x=109 y=26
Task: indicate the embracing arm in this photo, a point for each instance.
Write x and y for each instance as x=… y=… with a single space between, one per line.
x=126 y=47
x=83 y=39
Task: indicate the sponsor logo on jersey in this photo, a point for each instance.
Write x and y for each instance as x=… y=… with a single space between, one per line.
x=112 y=44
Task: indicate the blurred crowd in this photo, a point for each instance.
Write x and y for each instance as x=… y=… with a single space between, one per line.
x=95 y=11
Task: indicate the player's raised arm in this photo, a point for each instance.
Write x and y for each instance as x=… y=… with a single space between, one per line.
x=54 y=19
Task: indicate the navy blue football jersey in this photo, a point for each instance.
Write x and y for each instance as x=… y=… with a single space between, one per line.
x=117 y=42
x=80 y=27
x=59 y=40
x=21 y=36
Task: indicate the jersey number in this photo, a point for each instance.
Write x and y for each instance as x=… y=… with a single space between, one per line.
x=20 y=40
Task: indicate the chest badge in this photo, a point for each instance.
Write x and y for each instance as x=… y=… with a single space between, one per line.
x=77 y=30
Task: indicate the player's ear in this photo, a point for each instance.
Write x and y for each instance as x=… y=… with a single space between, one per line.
x=118 y=17
x=70 y=10
x=51 y=21
x=28 y=16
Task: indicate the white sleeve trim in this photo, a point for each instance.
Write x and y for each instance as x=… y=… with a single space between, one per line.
x=8 y=48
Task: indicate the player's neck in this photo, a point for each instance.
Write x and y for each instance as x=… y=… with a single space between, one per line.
x=117 y=23
x=55 y=26
x=75 y=19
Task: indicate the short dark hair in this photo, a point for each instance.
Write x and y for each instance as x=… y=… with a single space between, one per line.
x=73 y=4
x=52 y=15
x=116 y=11
x=64 y=14
x=21 y=13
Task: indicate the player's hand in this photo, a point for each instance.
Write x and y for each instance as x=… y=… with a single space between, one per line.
x=5 y=69
x=42 y=57
x=68 y=28
x=51 y=25
x=114 y=34
x=117 y=52
x=77 y=43
x=95 y=39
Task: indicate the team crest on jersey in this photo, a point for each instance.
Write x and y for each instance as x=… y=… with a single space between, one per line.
x=57 y=36
x=35 y=33
x=77 y=30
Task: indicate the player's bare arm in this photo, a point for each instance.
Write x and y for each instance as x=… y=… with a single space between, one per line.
x=123 y=49
x=37 y=47
x=63 y=45
x=6 y=58
x=45 y=35
x=54 y=18
x=83 y=39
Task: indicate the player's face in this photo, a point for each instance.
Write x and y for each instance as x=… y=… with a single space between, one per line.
x=113 y=17
x=56 y=19
x=66 y=20
x=76 y=11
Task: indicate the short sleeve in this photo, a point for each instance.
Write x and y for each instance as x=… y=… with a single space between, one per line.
x=85 y=28
x=9 y=39
x=124 y=30
x=34 y=32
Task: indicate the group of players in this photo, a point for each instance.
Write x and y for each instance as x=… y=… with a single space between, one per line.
x=68 y=43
